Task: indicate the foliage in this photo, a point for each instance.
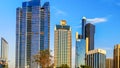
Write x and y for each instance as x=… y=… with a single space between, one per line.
x=85 y=66
x=43 y=58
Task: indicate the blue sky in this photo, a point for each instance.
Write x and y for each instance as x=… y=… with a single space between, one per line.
x=104 y=14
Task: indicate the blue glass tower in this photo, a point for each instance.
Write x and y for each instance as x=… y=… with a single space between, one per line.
x=32 y=32
x=80 y=51
x=83 y=27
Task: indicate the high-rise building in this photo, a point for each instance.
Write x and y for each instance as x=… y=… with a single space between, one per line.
x=116 y=60
x=4 y=50
x=80 y=51
x=32 y=32
x=89 y=34
x=62 y=44
x=83 y=27
x=96 y=58
x=109 y=63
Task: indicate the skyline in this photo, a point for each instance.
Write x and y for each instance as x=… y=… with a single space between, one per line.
x=104 y=21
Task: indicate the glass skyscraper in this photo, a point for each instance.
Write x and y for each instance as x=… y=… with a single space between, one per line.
x=32 y=32
x=96 y=58
x=83 y=27
x=89 y=33
x=80 y=51
x=62 y=45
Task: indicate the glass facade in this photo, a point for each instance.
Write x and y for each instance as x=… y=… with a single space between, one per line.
x=83 y=27
x=80 y=53
x=62 y=45
x=89 y=33
x=32 y=32
x=96 y=58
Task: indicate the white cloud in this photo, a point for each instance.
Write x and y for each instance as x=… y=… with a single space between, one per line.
x=59 y=12
x=97 y=20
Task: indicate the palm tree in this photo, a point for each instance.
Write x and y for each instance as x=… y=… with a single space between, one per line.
x=43 y=58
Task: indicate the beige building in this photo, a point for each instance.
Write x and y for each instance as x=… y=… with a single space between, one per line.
x=109 y=63
x=4 y=49
x=62 y=44
x=116 y=56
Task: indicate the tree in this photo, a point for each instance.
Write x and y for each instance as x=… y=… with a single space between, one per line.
x=85 y=66
x=64 y=66
x=43 y=58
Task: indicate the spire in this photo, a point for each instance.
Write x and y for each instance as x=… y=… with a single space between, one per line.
x=84 y=17
x=63 y=22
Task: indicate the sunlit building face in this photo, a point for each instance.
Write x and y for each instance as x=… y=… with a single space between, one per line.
x=62 y=44
x=116 y=56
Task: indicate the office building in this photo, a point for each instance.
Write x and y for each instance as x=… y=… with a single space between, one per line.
x=80 y=51
x=89 y=34
x=83 y=27
x=96 y=58
x=62 y=44
x=32 y=32
x=4 y=49
x=109 y=63
x=4 y=54
x=116 y=56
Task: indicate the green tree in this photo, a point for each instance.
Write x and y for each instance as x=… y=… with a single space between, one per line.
x=85 y=66
x=43 y=58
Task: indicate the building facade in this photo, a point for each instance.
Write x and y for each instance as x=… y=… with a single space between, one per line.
x=32 y=32
x=62 y=44
x=109 y=63
x=89 y=34
x=83 y=27
x=80 y=51
x=116 y=56
x=4 y=49
x=96 y=58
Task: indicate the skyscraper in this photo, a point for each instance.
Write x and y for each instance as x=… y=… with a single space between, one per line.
x=116 y=56
x=89 y=34
x=62 y=44
x=96 y=58
x=32 y=32
x=109 y=63
x=4 y=50
x=83 y=27
x=80 y=51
